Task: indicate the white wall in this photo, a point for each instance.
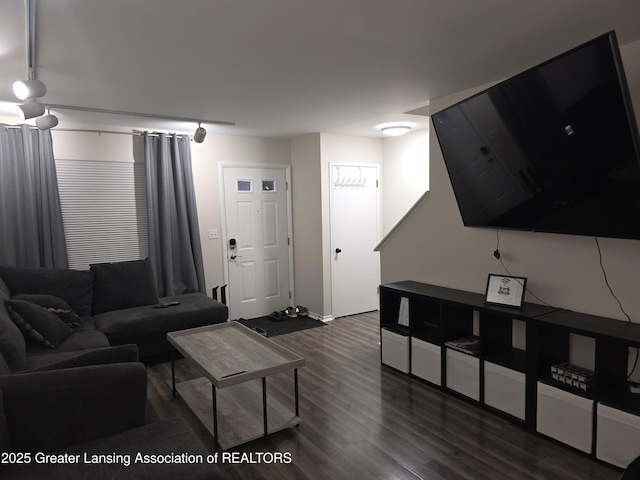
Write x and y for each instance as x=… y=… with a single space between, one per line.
x=405 y=175
x=309 y=275
x=562 y=270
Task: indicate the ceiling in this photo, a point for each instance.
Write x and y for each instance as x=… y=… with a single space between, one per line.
x=284 y=68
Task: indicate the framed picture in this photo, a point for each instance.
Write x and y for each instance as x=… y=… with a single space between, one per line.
x=507 y=291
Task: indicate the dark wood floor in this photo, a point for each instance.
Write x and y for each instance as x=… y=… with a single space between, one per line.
x=363 y=420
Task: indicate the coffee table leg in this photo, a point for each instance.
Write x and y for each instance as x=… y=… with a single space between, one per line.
x=295 y=383
x=215 y=415
x=264 y=404
x=173 y=372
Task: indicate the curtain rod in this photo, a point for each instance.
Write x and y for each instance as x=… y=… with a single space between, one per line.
x=99 y=132
x=135 y=114
x=114 y=132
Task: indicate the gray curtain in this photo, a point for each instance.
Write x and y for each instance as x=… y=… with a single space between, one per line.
x=174 y=238
x=31 y=229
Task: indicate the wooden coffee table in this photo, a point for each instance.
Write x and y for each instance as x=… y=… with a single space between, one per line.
x=232 y=355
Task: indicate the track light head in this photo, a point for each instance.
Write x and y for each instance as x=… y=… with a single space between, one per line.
x=30 y=109
x=199 y=135
x=27 y=89
x=47 y=121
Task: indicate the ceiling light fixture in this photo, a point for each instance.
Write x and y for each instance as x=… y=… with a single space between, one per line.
x=29 y=89
x=200 y=133
x=47 y=121
x=395 y=130
x=30 y=110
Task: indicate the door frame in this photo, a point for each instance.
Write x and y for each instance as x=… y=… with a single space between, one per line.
x=223 y=217
x=331 y=213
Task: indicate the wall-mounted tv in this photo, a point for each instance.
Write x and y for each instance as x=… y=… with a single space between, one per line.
x=552 y=149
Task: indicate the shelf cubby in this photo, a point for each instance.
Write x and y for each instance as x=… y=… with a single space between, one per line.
x=425 y=320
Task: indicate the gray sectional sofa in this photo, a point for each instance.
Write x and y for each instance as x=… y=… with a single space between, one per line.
x=71 y=385
x=55 y=318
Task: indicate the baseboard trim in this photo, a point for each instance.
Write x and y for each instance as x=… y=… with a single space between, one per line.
x=326 y=318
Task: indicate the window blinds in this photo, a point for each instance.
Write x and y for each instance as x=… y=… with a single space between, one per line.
x=104 y=210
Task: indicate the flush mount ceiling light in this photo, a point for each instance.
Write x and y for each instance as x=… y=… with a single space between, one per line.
x=199 y=135
x=395 y=130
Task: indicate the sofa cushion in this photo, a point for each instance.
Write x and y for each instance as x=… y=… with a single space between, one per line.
x=5 y=446
x=74 y=286
x=4 y=368
x=12 y=345
x=122 y=285
x=13 y=356
x=53 y=304
x=74 y=359
x=38 y=323
x=5 y=293
x=134 y=324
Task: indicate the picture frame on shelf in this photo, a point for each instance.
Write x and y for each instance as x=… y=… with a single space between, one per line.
x=505 y=290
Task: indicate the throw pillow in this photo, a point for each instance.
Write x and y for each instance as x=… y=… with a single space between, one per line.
x=75 y=286
x=37 y=323
x=53 y=304
x=122 y=285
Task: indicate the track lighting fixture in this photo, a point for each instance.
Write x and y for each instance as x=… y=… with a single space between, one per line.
x=30 y=109
x=199 y=135
x=47 y=121
x=29 y=89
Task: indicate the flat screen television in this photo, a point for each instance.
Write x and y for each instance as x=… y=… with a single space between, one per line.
x=552 y=149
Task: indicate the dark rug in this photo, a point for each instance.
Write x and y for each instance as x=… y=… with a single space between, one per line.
x=273 y=328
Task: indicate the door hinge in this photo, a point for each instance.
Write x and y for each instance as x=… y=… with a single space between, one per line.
x=286 y=184
x=288 y=241
x=376 y=183
x=289 y=295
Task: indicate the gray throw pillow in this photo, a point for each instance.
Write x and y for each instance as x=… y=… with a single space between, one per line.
x=37 y=323
x=123 y=285
x=74 y=286
x=53 y=304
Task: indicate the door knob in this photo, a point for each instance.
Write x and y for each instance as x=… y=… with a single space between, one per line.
x=338 y=250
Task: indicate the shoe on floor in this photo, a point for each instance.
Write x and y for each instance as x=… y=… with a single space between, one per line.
x=302 y=311
x=291 y=312
x=277 y=316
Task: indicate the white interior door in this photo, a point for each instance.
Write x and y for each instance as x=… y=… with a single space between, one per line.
x=354 y=235
x=256 y=232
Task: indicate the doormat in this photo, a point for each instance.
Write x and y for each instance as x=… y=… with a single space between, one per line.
x=274 y=328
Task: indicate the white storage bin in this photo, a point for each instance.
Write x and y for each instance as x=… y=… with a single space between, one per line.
x=565 y=417
x=618 y=436
x=504 y=389
x=395 y=350
x=426 y=360
x=463 y=373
